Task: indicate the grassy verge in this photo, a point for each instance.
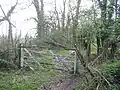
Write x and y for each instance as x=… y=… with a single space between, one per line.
x=30 y=80
x=24 y=80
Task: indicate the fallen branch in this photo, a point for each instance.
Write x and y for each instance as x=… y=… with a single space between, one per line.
x=95 y=60
x=102 y=76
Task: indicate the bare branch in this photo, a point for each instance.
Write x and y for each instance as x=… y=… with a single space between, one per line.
x=11 y=10
x=6 y=17
x=2 y=10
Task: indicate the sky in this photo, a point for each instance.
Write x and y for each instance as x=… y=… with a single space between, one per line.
x=24 y=11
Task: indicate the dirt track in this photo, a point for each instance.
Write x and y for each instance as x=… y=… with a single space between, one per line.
x=62 y=84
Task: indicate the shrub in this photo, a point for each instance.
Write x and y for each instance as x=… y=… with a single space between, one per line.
x=112 y=72
x=4 y=64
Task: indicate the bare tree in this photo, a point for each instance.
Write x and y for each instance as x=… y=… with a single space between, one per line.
x=63 y=14
x=57 y=16
x=7 y=18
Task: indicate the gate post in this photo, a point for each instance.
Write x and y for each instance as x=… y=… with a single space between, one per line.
x=75 y=63
x=20 y=56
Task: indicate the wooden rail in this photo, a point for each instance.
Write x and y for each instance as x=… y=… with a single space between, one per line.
x=23 y=48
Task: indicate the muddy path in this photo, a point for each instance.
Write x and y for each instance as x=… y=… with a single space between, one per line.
x=67 y=83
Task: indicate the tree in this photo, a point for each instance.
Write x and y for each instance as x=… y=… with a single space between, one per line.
x=40 y=17
x=6 y=17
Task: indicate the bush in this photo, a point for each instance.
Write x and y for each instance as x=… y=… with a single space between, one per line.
x=112 y=72
x=4 y=64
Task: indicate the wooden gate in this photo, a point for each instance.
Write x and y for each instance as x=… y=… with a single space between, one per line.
x=66 y=63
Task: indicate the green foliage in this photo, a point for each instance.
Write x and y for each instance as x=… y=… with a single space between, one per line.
x=112 y=69
x=22 y=80
x=46 y=60
x=112 y=73
x=4 y=64
x=79 y=87
x=27 y=79
x=63 y=52
x=116 y=87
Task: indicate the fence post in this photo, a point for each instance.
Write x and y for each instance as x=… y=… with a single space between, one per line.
x=20 y=56
x=75 y=63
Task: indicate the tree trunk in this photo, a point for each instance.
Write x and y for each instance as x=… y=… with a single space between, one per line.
x=63 y=16
x=116 y=7
x=40 y=18
x=57 y=16
x=112 y=51
x=98 y=45
x=89 y=51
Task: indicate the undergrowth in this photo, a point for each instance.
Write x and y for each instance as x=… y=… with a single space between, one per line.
x=112 y=72
x=24 y=80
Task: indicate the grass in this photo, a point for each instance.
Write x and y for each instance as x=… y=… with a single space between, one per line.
x=63 y=52
x=24 y=80
x=29 y=80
